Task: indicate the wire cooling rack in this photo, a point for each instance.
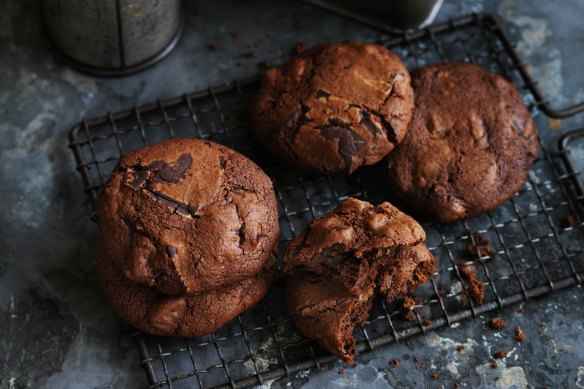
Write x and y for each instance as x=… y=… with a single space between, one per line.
x=536 y=238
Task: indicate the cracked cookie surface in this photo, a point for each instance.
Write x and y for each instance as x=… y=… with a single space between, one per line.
x=185 y=216
x=333 y=108
x=469 y=146
x=342 y=260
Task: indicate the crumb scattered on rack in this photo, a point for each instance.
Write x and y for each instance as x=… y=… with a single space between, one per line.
x=494 y=364
x=497 y=323
x=394 y=362
x=519 y=334
x=434 y=376
x=460 y=348
x=341 y=371
x=408 y=306
x=476 y=289
x=416 y=358
x=480 y=248
x=427 y=323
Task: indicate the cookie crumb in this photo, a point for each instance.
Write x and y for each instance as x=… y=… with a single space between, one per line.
x=457 y=384
x=408 y=305
x=519 y=334
x=421 y=366
x=212 y=47
x=416 y=359
x=434 y=376
x=500 y=354
x=497 y=323
x=427 y=323
x=480 y=249
x=341 y=371
x=394 y=362
x=460 y=348
x=494 y=365
x=568 y=221
x=476 y=289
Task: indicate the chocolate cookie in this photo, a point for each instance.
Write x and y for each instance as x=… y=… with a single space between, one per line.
x=470 y=143
x=187 y=315
x=186 y=216
x=333 y=108
x=346 y=257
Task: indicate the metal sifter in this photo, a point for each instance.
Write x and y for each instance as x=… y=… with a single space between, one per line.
x=113 y=37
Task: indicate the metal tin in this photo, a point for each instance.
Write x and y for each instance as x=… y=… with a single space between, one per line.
x=391 y=16
x=113 y=37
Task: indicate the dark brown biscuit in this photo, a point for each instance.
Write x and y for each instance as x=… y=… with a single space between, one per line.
x=187 y=316
x=350 y=254
x=325 y=311
x=470 y=144
x=185 y=216
x=333 y=108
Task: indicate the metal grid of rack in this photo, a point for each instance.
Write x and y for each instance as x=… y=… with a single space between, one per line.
x=536 y=238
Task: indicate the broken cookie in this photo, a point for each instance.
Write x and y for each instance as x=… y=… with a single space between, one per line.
x=341 y=260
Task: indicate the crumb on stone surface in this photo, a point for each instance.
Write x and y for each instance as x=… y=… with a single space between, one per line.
x=497 y=323
x=494 y=364
x=341 y=371
x=500 y=354
x=394 y=362
x=434 y=376
x=457 y=384
x=460 y=348
x=416 y=358
x=519 y=334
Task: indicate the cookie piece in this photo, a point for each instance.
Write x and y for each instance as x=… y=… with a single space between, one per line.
x=187 y=315
x=333 y=108
x=341 y=260
x=470 y=143
x=353 y=242
x=186 y=216
x=325 y=311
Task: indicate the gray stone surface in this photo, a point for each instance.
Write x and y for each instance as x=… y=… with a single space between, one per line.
x=55 y=329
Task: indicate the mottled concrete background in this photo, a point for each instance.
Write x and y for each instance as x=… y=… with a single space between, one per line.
x=55 y=329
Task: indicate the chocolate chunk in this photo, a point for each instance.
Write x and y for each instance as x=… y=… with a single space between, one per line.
x=177 y=170
x=349 y=142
